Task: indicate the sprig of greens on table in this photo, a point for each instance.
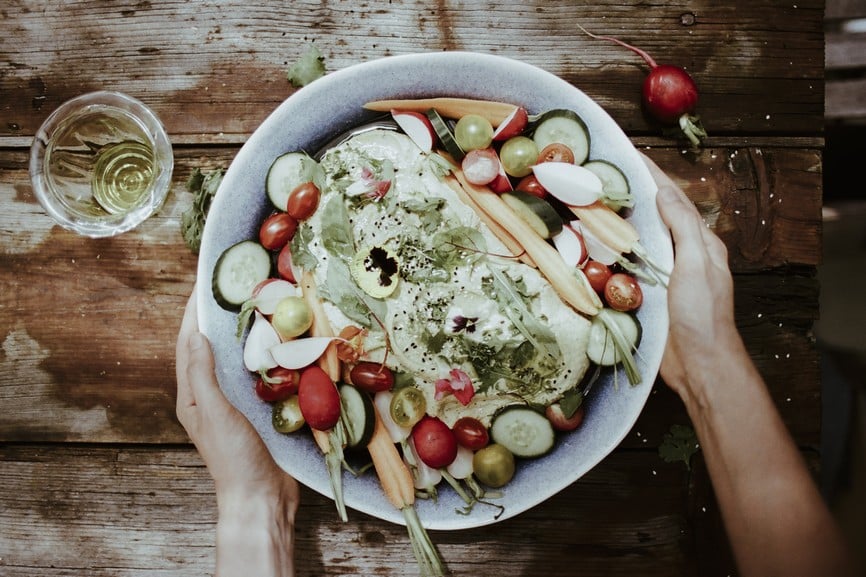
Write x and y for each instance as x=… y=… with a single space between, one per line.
x=203 y=186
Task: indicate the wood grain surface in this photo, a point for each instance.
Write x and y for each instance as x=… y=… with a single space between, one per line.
x=97 y=477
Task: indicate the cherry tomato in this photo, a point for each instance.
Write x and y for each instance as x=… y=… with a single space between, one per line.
x=292 y=317
x=556 y=152
x=303 y=201
x=318 y=398
x=473 y=132
x=286 y=415
x=372 y=377
x=435 y=443
x=560 y=422
x=281 y=383
x=622 y=292
x=493 y=465
x=408 y=406
x=531 y=185
x=284 y=264
x=517 y=155
x=480 y=166
x=277 y=230
x=597 y=274
x=471 y=433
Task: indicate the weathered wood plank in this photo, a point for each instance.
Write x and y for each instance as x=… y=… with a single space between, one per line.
x=139 y=511
x=753 y=79
x=109 y=377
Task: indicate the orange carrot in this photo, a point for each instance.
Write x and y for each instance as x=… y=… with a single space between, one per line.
x=455 y=108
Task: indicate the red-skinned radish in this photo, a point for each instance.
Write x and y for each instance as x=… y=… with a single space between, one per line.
x=270 y=292
x=461 y=466
x=285 y=266
x=318 y=398
x=531 y=185
x=512 y=125
x=669 y=93
x=501 y=183
x=560 y=422
x=382 y=402
x=572 y=184
x=597 y=250
x=417 y=127
x=426 y=477
x=569 y=242
x=261 y=338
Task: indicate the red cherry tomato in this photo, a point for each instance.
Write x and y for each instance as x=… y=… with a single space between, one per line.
x=372 y=377
x=435 y=443
x=281 y=384
x=480 y=166
x=597 y=274
x=622 y=292
x=531 y=185
x=556 y=152
x=560 y=422
x=284 y=264
x=471 y=433
x=277 y=230
x=303 y=201
x=318 y=398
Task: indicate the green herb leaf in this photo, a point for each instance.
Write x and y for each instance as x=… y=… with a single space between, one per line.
x=203 y=187
x=337 y=236
x=309 y=67
x=679 y=444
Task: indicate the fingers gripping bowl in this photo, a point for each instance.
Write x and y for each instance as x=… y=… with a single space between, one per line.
x=334 y=104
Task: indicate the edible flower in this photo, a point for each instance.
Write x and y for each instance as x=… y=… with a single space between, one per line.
x=375 y=189
x=459 y=384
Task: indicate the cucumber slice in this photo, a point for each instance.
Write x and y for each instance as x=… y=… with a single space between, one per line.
x=537 y=212
x=601 y=348
x=238 y=270
x=615 y=188
x=523 y=431
x=286 y=173
x=565 y=127
x=358 y=416
x=446 y=137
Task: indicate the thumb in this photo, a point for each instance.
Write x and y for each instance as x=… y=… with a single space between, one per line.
x=200 y=372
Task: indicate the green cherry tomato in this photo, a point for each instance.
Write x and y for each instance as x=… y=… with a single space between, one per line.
x=473 y=132
x=493 y=465
x=286 y=415
x=408 y=405
x=292 y=317
x=517 y=155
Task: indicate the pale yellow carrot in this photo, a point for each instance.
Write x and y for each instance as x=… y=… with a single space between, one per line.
x=454 y=108
x=610 y=228
x=503 y=235
x=563 y=278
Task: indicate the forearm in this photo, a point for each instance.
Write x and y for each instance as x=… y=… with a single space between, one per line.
x=776 y=519
x=255 y=536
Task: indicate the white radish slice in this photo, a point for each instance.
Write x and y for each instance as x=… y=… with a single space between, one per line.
x=382 y=402
x=301 y=352
x=461 y=466
x=261 y=338
x=571 y=246
x=596 y=248
x=271 y=292
x=513 y=124
x=572 y=184
x=425 y=476
x=416 y=126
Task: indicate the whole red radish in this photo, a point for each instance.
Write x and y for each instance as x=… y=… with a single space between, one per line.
x=669 y=93
x=318 y=398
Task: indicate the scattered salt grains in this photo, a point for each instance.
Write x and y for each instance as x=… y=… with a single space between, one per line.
x=654 y=473
x=767 y=117
x=703 y=179
x=788 y=399
x=760 y=315
x=703 y=509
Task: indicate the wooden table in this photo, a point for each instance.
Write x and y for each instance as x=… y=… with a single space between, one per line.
x=97 y=477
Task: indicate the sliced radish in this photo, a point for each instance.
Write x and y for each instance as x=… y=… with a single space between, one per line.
x=417 y=127
x=481 y=166
x=513 y=125
x=572 y=184
x=271 y=292
x=571 y=246
x=425 y=476
x=501 y=183
x=382 y=402
x=262 y=337
x=302 y=352
x=597 y=250
x=461 y=466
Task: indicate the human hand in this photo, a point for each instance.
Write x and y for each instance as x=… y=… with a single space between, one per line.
x=235 y=455
x=702 y=335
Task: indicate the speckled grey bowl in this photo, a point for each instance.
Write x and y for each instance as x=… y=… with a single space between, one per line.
x=333 y=104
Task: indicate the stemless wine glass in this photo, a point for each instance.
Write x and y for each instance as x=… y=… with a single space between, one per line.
x=101 y=164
